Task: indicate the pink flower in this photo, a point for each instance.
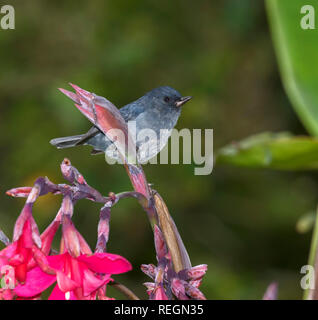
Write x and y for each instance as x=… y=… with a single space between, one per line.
x=27 y=267
x=25 y=259
x=26 y=240
x=18 y=254
x=6 y=294
x=76 y=277
x=78 y=273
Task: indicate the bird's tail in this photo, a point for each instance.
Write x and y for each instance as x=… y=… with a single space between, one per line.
x=66 y=142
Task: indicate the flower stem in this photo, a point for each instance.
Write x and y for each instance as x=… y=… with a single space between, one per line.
x=123 y=289
x=312 y=294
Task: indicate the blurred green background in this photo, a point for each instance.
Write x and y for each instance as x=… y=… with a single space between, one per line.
x=239 y=221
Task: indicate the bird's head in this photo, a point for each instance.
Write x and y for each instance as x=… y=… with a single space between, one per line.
x=167 y=98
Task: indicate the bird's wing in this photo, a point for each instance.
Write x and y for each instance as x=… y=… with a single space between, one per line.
x=132 y=110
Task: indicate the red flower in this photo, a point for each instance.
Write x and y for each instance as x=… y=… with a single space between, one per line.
x=78 y=273
x=76 y=277
x=22 y=259
x=19 y=254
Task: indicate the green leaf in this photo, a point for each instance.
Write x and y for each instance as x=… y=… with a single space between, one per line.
x=272 y=150
x=297 y=54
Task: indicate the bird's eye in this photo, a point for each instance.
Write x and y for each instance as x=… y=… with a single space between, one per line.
x=167 y=99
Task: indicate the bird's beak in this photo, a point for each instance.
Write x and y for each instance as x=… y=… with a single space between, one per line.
x=182 y=101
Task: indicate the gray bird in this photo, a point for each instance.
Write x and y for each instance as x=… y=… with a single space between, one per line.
x=158 y=110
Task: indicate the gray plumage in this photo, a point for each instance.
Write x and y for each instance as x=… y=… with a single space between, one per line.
x=158 y=110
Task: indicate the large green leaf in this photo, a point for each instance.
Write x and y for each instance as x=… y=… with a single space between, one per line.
x=297 y=53
x=271 y=150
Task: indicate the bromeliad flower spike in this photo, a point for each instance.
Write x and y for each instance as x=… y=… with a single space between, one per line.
x=77 y=271
x=29 y=265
